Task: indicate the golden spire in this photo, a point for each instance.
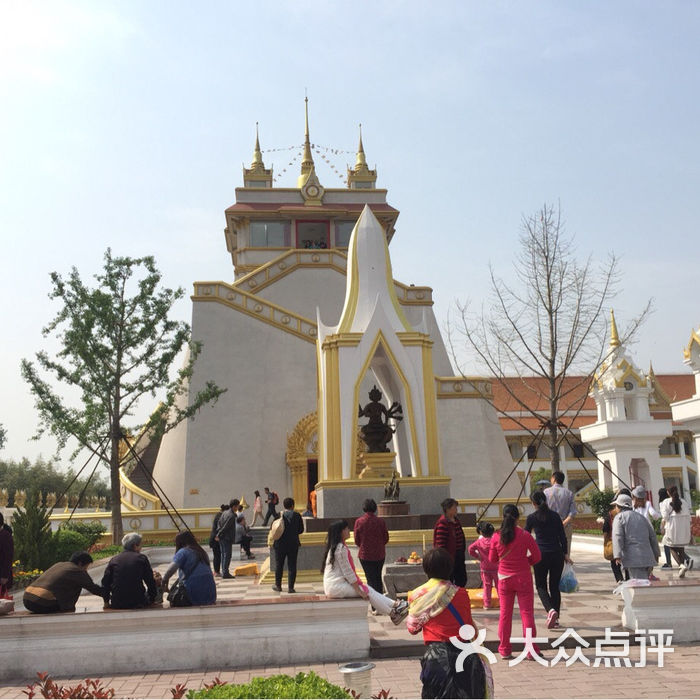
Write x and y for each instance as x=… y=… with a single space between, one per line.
x=614 y=337
x=257 y=163
x=307 y=162
x=257 y=175
x=361 y=161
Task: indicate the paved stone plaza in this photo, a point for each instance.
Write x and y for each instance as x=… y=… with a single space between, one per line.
x=395 y=652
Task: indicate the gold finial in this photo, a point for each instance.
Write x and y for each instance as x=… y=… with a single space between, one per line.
x=257 y=163
x=307 y=162
x=614 y=337
x=361 y=161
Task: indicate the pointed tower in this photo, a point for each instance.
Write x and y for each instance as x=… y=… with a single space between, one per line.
x=361 y=177
x=374 y=343
x=257 y=175
x=311 y=189
x=625 y=435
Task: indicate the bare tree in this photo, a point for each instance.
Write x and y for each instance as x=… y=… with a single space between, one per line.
x=543 y=337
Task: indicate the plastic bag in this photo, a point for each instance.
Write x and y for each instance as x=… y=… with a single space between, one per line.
x=568 y=583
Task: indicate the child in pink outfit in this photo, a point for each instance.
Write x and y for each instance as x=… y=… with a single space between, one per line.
x=480 y=550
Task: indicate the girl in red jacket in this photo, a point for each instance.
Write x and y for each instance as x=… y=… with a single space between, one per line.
x=514 y=551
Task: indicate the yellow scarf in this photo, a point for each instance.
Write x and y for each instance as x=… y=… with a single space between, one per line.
x=428 y=601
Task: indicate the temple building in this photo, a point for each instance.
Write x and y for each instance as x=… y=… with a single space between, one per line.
x=624 y=419
x=310 y=322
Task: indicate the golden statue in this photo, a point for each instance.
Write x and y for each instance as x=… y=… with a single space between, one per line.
x=50 y=500
x=20 y=498
x=4 y=498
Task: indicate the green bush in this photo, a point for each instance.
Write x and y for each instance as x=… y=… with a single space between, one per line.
x=64 y=543
x=694 y=500
x=303 y=685
x=92 y=532
x=32 y=535
x=600 y=501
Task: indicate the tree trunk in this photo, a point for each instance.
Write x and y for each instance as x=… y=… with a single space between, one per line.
x=115 y=489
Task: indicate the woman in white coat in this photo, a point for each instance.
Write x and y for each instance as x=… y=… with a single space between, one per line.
x=340 y=580
x=676 y=520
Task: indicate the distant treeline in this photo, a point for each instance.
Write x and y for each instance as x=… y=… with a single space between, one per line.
x=42 y=477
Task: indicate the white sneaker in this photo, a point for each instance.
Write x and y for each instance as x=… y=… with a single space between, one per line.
x=681 y=571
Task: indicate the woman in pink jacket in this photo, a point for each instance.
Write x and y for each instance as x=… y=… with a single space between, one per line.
x=514 y=551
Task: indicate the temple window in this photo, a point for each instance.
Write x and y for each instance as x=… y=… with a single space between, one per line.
x=313 y=234
x=343 y=229
x=669 y=447
x=269 y=234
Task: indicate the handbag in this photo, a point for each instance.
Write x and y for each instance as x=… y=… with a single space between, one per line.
x=608 y=550
x=177 y=595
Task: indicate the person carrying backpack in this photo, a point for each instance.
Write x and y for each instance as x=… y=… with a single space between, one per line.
x=272 y=499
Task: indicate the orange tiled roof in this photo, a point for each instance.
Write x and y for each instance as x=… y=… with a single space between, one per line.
x=532 y=391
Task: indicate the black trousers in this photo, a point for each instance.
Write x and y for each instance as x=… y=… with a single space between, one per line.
x=271 y=513
x=33 y=607
x=459 y=571
x=679 y=554
x=547 y=576
x=216 y=552
x=291 y=556
x=245 y=543
x=617 y=572
x=373 y=573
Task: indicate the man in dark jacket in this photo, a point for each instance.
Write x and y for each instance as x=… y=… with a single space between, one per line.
x=226 y=535
x=287 y=546
x=58 y=588
x=214 y=542
x=127 y=574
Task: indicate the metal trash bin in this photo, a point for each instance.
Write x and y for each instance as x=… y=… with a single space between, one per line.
x=357 y=676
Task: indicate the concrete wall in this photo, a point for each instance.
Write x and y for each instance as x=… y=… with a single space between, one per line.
x=473 y=449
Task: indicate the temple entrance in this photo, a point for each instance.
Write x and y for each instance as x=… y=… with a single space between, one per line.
x=312 y=474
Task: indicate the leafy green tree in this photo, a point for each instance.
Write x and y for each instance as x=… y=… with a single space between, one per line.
x=42 y=477
x=3 y=436
x=600 y=501
x=118 y=344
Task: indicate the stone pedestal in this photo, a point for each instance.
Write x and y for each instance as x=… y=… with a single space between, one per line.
x=343 y=498
x=386 y=509
x=377 y=465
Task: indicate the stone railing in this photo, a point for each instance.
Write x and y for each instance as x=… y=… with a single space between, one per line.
x=134 y=498
x=265 y=311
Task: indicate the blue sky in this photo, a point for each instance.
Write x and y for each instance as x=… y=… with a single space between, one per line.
x=126 y=124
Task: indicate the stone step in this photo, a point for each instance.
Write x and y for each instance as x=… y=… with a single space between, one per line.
x=259 y=535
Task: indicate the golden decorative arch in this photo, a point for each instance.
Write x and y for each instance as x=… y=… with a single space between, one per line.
x=302 y=445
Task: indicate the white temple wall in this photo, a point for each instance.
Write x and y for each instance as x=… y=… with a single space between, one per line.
x=304 y=289
x=473 y=449
x=442 y=366
x=239 y=444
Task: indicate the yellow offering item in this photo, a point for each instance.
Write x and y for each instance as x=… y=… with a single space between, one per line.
x=246 y=570
x=476 y=597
